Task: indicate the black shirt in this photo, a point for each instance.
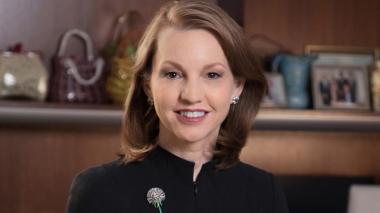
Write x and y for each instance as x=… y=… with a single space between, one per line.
x=116 y=187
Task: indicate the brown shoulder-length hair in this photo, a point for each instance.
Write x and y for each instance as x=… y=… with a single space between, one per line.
x=141 y=124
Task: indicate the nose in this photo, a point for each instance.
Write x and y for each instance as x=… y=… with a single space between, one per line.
x=192 y=92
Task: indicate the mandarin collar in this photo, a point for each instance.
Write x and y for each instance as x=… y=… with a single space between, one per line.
x=161 y=155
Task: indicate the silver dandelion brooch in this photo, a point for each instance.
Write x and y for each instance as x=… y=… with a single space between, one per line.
x=155 y=197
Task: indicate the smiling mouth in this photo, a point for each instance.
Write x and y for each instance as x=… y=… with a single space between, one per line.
x=191 y=116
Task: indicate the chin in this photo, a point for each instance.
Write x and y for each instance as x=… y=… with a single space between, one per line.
x=196 y=136
x=191 y=139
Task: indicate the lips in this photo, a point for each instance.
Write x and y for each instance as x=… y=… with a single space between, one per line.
x=191 y=116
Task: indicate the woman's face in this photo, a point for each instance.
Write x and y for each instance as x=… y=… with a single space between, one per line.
x=191 y=85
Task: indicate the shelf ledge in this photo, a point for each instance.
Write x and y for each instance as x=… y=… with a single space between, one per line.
x=311 y=120
x=267 y=119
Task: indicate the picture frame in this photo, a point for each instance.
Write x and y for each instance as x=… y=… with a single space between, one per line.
x=343 y=55
x=275 y=96
x=340 y=87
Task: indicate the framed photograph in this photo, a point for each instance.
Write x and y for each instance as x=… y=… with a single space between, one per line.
x=340 y=87
x=275 y=96
x=343 y=56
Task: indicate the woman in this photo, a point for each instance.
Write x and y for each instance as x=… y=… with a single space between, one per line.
x=196 y=91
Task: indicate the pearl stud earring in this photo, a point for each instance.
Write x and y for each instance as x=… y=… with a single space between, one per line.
x=235 y=100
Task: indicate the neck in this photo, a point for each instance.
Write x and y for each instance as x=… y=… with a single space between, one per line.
x=198 y=152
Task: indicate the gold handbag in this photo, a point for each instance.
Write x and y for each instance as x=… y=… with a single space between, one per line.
x=22 y=75
x=120 y=54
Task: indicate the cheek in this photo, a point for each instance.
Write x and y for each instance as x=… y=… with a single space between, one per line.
x=164 y=95
x=219 y=97
x=221 y=94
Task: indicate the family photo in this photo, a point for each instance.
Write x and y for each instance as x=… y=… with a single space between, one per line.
x=340 y=87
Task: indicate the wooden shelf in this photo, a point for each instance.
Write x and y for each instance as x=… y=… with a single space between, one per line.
x=35 y=113
x=25 y=113
x=317 y=120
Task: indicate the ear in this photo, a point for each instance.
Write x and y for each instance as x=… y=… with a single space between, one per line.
x=239 y=86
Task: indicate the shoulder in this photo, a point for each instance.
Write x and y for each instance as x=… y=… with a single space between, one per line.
x=254 y=174
x=95 y=184
x=250 y=177
x=110 y=172
x=263 y=183
x=106 y=177
x=96 y=173
x=93 y=176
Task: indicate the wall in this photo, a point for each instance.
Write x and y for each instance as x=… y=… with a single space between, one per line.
x=296 y=23
x=38 y=24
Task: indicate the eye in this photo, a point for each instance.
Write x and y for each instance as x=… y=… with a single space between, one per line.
x=213 y=75
x=172 y=75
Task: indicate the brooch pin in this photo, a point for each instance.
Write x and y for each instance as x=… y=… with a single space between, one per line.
x=155 y=197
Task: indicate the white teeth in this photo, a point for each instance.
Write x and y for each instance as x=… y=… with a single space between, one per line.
x=195 y=114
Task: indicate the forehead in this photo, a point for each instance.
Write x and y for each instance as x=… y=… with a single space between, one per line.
x=190 y=46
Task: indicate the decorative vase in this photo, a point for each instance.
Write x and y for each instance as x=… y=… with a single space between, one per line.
x=296 y=72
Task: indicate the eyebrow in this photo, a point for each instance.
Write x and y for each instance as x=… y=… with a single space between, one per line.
x=178 y=66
